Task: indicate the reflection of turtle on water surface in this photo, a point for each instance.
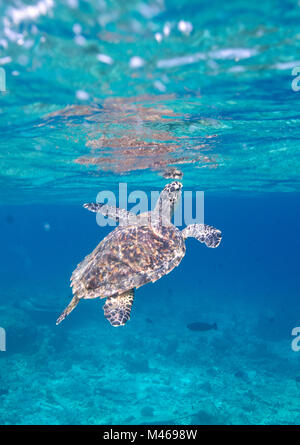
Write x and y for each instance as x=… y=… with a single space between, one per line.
x=141 y=249
x=172 y=173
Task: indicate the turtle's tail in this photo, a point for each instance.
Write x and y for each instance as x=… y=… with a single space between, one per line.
x=73 y=303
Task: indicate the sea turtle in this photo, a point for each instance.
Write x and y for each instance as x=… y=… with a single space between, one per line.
x=141 y=249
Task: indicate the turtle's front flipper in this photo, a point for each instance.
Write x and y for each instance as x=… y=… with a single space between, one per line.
x=203 y=233
x=73 y=303
x=117 y=309
x=121 y=215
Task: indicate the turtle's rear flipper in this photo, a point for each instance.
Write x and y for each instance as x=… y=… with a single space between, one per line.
x=117 y=309
x=73 y=303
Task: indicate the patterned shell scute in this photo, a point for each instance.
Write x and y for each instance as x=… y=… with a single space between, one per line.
x=127 y=258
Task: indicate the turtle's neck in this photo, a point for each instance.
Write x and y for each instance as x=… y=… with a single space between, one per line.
x=164 y=210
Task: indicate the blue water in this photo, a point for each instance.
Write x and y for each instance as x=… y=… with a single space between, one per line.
x=79 y=116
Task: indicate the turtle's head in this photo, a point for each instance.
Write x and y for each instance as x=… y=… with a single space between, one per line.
x=172 y=192
x=167 y=201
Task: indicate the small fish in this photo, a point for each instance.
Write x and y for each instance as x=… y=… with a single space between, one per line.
x=198 y=326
